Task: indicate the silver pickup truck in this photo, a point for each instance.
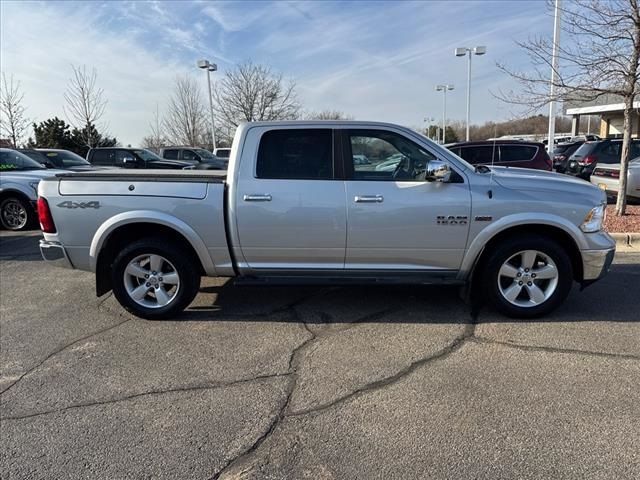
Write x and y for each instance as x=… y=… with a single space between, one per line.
x=329 y=203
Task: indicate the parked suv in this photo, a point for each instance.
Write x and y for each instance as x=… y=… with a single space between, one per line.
x=562 y=152
x=132 y=158
x=194 y=155
x=506 y=153
x=56 y=158
x=584 y=159
x=19 y=178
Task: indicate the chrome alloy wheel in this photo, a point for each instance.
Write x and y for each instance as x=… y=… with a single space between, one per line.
x=14 y=215
x=151 y=281
x=528 y=278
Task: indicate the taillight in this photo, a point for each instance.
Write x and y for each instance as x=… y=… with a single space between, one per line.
x=588 y=160
x=44 y=215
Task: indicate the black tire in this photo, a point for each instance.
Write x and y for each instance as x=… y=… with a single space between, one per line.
x=182 y=262
x=505 y=251
x=16 y=214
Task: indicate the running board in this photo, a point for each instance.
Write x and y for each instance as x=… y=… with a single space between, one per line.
x=324 y=280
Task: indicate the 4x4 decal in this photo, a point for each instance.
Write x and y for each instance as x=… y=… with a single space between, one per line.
x=70 y=204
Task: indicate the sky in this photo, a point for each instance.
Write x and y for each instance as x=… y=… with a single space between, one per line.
x=372 y=60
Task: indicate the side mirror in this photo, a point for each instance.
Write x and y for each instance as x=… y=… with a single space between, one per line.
x=438 y=171
x=129 y=162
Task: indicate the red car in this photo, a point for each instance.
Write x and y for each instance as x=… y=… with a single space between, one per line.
x=504 y=153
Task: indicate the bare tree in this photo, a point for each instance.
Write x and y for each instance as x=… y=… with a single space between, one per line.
x=598 y=56
x=253 y=92
x=185 y=122
x=328 y=115
x=85 y=105
x=156 y=138
x=13 y=122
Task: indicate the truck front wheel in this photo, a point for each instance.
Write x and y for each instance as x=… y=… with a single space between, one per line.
x=154 y=278
x=527 y=277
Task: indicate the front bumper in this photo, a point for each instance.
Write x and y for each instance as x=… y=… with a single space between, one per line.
x=54 y=253
x=596 y=264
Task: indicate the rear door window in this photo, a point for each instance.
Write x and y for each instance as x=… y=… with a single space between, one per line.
x=517 y=153
x=103 y=157
x=296 y=154
x=480 y=154
x=171 y=154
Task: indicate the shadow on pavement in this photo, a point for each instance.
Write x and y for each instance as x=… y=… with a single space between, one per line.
x=614 y=298
x=20 y=246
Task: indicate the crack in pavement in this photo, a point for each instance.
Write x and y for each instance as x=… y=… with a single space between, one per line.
x=539 y=348
x=207 y=386
x=277 y=419
x=62 y=349
x=294 y=361
x=455 y=345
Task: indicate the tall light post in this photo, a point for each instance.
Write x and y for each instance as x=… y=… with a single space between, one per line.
x=552 y=83
x=443 y=89
x=461 y=52
x=210 y=67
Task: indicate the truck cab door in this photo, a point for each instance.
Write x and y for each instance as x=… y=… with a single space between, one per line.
x=290 y=207
x=400 y=218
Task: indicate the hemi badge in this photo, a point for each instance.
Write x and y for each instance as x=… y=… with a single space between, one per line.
x=483 y=218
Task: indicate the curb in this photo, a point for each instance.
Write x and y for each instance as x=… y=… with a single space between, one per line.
x=627 y=241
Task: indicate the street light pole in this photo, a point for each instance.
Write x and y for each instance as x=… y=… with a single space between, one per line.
x=443 y=89
x=554 y=69
x=210 y=67
x=461 y=52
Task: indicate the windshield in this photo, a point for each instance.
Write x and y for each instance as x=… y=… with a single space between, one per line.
x=63 y=158
x=561 y=148
x=10 y=160
x=146 y=155
x=204 y=153
x=585 y=149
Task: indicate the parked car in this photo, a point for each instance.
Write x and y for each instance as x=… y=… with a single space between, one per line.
x=589 y=154
x=194 y=155
x=361 y=160
x=19 y=178
x=222 y=152
x=57 y=158
x=607 y=177
x=507 y=153
x=293 y=211
x=562 y=152
x=132 y=158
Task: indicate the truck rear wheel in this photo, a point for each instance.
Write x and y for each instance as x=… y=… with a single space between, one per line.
x=154 y=279
x=527 y=277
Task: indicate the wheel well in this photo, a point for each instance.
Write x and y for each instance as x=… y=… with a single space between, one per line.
x=124 y=235
x=15 y=193
x=554 y=233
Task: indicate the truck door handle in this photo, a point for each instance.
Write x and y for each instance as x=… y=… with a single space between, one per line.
x=369 y=199
x=257 y=198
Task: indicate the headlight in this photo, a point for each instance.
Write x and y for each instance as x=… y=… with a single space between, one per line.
x=34 y=185
x=594 y=219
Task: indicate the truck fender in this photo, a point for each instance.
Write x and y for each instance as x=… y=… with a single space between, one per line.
x=475 y=248
x=150 y=216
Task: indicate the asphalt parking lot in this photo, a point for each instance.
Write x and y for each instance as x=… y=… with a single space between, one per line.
x=313 y=382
